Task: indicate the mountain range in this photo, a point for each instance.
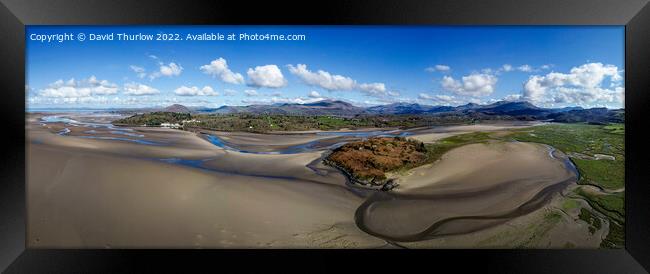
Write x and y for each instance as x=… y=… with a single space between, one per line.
x=517 y=109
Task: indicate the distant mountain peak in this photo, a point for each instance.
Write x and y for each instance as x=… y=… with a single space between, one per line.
x=329 y=103
x=177 y=108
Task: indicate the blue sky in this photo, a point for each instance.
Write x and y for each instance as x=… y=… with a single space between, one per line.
x=548 y=66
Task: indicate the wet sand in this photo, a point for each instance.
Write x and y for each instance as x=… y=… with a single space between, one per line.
x=433 y=134
x=80 y=196
x=471 y=188
x=184 y=191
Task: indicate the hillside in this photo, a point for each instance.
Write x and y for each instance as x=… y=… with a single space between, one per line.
x=368 y=161
x=331 y=115
x=177 y=108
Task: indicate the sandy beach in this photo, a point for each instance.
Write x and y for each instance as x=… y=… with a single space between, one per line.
x=106 y=187
x=437 y=133
x=506 y=180
x=80 y=197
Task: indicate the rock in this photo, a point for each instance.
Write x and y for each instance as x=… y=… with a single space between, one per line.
x=389 y=185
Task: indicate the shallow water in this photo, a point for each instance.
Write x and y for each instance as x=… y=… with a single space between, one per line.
x=338 y=139
x=139 y=141
x=111 y=129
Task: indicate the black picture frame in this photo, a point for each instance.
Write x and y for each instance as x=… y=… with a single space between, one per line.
x=16 y=14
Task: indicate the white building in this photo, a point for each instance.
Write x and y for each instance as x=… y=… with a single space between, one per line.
x=170 y=125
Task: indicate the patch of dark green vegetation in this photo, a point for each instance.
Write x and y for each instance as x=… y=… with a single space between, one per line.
x=261 y=123
x=588 y=217
x=582 y=142
x=579 y=138
x=616 y=128
x=607 y=174
x=616 y=236
x=611 y=205
x=154 y=119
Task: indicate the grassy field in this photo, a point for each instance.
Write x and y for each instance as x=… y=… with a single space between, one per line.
x=582 y=142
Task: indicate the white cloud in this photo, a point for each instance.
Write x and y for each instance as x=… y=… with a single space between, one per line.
x=334 y=82
x=74 y=89
x=137 y=89
x=583 y=85
x=219 y=68
x=268 y=76
x=477 y=84
x=525 y=68
x=195 y=91
x=373 y=88
x=513 y=97
x=322 y=78
x=314 y=94
x=140 y=71
x=440 y=68
x=251 y=92
x=171 y=70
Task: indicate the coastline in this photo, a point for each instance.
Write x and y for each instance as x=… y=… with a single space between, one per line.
x=324 y=191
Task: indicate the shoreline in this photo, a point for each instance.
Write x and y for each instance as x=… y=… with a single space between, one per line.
x=310 y=175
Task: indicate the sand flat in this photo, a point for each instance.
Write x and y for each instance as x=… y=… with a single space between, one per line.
x=81 y=199
x=191 y=193
x=470 y=188
x=437 y=133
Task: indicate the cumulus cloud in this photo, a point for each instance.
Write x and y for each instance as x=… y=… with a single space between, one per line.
x=323 y=79
x=583 y=85
x=268 y=76
x=335 y=82
x=506 y=67
x=75 y=89
x=218 y=68
x=439 y=68
x=195 y=91
x=172 y=69
x=476 y=84
x=137 y=89
x=314 y=94
x=373 y=88
x=167 y=70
